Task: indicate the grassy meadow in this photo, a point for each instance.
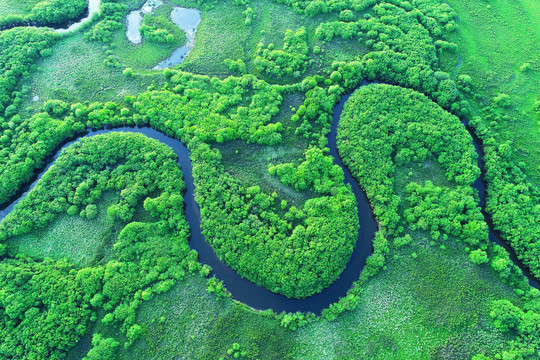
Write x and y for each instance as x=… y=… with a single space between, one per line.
x=76 y=72
x=16 y=7
x=81 y=241
x=500 y=43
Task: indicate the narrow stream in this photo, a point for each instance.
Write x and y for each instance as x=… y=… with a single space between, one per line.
x=71 y=25
x=93 y=7
x=494 y=235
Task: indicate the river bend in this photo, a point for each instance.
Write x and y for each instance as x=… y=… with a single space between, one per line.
x=248 y=292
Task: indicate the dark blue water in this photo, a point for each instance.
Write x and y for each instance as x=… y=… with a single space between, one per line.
x=494 y=235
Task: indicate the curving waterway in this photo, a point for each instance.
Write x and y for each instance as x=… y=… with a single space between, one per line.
x=187 y=20
x=244 y=290
x=494 y=235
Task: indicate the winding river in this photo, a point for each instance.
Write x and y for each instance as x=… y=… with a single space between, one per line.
x=244 y=290
x=187 y=20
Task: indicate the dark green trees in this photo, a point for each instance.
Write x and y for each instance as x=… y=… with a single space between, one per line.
x=383 y=126
x=102 y=348
x=513 y=200
x=46 y=306
x=292 y=61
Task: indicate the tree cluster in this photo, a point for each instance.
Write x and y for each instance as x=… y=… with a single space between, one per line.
x=19 y=50
x=523 y=321
x=111 y=17
x=51 y=13
x=384 y=125
x=450 y=211
x=513 y=201
x=161 y=30
x=149 y=256
x=292 y=61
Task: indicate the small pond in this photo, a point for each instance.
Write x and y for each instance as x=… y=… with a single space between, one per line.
x=186 y=19
x=134 y=20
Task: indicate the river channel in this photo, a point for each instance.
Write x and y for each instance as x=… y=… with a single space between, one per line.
x=244 y=290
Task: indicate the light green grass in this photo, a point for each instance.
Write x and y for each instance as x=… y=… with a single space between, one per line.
x=221 y=35
x=189 y=323
x=76 y=72
x=197 y=325
x=16 y=7
x=496 y=39
x=79 y=240
x=434 y=306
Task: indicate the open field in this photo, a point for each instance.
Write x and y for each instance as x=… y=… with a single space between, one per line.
x=76 y=72
x=500 y=43
x=16 y=7
x=71 y=237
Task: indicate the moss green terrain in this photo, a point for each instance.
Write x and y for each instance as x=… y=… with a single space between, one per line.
x=433 y=305
x=16 y=7
x=500 y=43
x=81 y=241
x=76 y=71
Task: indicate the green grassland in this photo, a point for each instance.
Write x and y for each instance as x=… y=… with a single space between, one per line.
x=433 y=305
x=16 y=7
x=188 y=322
x=221 y=35
x=498 y=39
x=76 y=72
x=202 y=326
x=81 y=241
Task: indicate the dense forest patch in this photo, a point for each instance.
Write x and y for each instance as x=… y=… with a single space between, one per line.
x=148 y=256
x=43 y=13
